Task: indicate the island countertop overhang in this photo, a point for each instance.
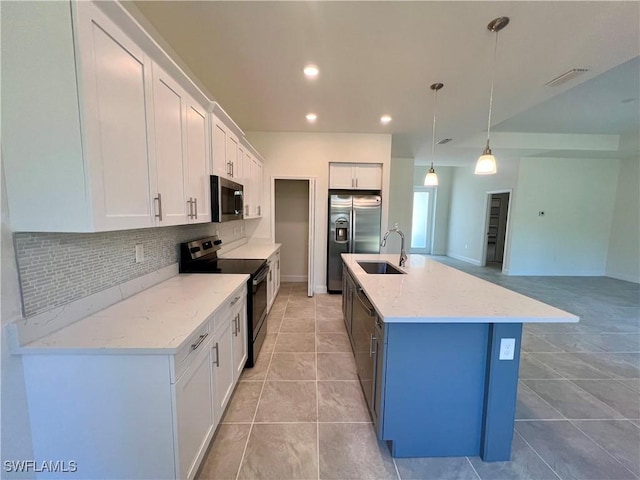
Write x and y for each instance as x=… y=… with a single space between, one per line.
x=431 y=292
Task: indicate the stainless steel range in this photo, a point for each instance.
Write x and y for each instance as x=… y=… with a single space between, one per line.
x=201 y=256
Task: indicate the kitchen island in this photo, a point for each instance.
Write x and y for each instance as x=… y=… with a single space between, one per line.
x=438 y=354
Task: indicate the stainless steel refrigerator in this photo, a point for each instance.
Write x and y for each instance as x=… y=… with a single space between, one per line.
x=354 y=227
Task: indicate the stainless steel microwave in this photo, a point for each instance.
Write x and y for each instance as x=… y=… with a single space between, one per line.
x=227 y=200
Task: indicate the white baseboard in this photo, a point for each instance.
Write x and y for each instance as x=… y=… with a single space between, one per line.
x=293 y=278
x=465 y=259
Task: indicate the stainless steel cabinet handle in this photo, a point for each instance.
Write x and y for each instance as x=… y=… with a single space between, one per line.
x=232 y=169
x=217 y=361
x=356 y=183
x=372 y=338
x=195 y=204
x=235 y=326
x=238 y=323
x=159 y=214
x=190 y=214
x=234 y=301
x=199 y=342
x=259 y=210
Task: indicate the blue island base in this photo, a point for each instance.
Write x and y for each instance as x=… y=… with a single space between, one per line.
x=446 y=393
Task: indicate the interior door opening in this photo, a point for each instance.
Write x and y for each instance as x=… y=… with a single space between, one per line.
x=293 y=227
x=422 y=219
x=497 y=221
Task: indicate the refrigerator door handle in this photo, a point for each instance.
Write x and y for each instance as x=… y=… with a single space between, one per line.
x=352 y=240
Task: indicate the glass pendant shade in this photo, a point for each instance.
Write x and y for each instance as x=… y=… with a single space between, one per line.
x=486 y=164
x=431 y=179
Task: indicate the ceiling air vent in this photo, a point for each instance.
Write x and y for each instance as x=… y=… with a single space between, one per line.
x=566 y=76
x=444 y=140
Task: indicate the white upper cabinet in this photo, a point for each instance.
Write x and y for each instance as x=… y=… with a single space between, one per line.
x=114 y=136
x=198 y=189
x=226 y=159
x=169 y=128
x=64 y=171
x=252 y=174
x=355 y=176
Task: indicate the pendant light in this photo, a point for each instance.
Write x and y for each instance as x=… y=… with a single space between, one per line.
x=486 y=164
x=431 y=179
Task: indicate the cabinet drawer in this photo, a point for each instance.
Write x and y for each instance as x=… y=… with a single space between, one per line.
x=188 y=352
x=224 y=312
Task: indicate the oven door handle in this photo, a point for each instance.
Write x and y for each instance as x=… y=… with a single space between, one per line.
x=261 y=275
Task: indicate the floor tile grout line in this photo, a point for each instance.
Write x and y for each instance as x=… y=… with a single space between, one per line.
x=538 y=454
x=602 y=402
x=524 y=420
x=396 y=467
x=255 y=413
x=600 y=446
x=315 y=343
x=473 y=468
x=545 y=401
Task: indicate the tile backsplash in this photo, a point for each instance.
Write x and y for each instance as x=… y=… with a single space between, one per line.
x=58 y=268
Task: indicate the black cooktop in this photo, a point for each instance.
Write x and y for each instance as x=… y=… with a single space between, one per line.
x=222 y=265
x=200 y=256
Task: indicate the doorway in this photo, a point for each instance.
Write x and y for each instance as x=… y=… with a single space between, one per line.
x=497 y=221
x=293 y=226
x=424 y=200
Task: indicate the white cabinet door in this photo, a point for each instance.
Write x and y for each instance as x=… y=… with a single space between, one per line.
x=232 y=155
x=341 y=176
x=169 y=121
x=197 y=164
x=276 y=274
x=219 y=160
x=368 y=177
x=223 y=371
x=351 y=176
x=194 y=414
x=258 y=190
x=115 y=80
x=247 y=173
x=240 y=345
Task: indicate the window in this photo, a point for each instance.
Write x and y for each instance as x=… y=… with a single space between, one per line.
x=423 y=199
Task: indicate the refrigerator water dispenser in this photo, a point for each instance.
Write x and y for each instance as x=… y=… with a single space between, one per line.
x=342 y=230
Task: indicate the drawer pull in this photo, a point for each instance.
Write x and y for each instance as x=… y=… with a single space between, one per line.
x=199 y=342
x=235 y=300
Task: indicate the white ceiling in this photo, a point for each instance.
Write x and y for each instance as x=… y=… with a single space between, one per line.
x=381 y=57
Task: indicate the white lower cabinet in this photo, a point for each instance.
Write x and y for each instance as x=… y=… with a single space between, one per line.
x=194 y=413
x=137 y=415
x=273 y=280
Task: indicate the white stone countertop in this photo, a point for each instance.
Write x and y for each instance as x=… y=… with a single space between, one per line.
x=431 y=292
x=155 y=321
x=252 y=249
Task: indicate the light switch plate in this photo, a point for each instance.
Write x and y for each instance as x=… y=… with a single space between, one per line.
x=507 y=348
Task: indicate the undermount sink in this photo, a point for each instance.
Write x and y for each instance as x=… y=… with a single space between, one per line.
x=379 y=268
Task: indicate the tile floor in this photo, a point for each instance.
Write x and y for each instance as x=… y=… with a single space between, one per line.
x=299 y=413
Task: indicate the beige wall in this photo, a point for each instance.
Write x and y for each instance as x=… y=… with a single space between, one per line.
x=400 y=203
x=308 y=155
x=623 y=259
x=292 y=228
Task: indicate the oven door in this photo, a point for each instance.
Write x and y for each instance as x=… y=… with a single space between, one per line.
x=259 y=292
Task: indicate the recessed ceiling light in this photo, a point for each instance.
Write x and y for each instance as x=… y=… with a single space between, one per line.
x=311 y=117
x=443 y=141
x=311 y=71
x=385 y=119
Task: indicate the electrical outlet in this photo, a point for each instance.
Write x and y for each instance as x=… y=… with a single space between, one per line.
x=507 y=348
x=139 y=253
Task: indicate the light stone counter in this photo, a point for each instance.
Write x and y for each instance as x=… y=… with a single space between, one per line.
x=252 y=250
x=155 y=321
x=431 y=292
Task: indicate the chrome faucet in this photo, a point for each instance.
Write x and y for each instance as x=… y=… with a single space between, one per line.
x=403 y=254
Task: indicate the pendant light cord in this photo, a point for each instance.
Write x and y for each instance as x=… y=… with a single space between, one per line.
x=433 y=133
x=493 y=77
